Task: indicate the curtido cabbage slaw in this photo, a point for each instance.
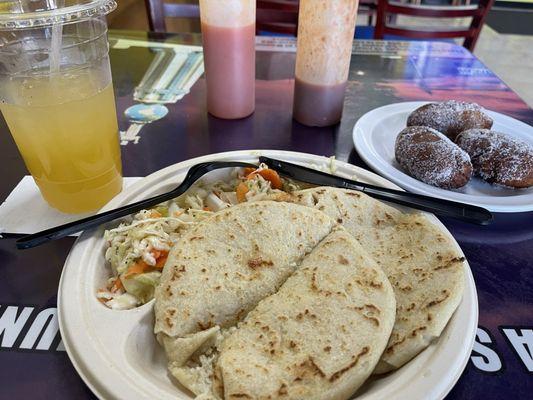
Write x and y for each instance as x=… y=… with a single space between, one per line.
x=137 y=249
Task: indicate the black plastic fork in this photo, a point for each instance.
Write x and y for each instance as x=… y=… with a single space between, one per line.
x=441 y=207
x=195 y=173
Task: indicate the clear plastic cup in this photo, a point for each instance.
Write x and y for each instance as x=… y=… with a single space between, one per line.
x=228 y=36
x=56 y=96
x=325 y=36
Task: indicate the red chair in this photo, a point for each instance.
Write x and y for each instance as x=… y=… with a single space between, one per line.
x=277 y=16
x=273 y=16
x=157 y=11
x=281 y=16
x=387 y=9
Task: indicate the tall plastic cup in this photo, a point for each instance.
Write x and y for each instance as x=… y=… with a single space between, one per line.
x=56 y=96
x=228 y=36
x=325 y=36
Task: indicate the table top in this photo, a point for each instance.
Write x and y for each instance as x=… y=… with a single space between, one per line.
x=32 y=358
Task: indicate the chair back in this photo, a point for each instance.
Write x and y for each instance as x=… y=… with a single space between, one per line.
x=157 y=11
x=277 y=16
x=273 y=16
x=281 y=16
x=387 y=10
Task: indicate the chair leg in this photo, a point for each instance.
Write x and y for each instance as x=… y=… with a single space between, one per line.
x=381 y=21
x=156 y=15
x=477 y=25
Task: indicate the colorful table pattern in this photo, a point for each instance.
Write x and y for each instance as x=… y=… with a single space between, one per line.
x=33 y=362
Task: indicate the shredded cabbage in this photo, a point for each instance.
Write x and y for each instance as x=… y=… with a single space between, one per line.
x=142 y=286
x=137 y=248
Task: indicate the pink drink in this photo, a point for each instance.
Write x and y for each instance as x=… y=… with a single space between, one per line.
x=325 y=37
x=228 y=32
x=229 y=58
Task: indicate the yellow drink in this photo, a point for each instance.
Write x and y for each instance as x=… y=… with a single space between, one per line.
x=66 y=129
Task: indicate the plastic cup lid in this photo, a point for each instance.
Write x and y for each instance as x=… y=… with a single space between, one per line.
x=24 y=14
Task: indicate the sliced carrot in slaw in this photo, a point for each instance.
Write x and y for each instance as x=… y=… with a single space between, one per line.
x=117 y=285
x=160 y=257
x=136 y=268
x=139 y=266
x=268 y=175
x=241 y=191
x=161 y=262
x=248 y=171
x=155 y=214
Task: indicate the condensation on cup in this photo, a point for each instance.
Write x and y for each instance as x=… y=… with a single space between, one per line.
x=228 y=35
x=325 y=36
x=57 y=98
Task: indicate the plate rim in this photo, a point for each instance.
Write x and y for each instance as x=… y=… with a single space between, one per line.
x=102 y=391
x=381 y=166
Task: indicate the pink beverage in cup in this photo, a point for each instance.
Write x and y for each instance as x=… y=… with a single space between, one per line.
x=325 y=36
x=228 y=33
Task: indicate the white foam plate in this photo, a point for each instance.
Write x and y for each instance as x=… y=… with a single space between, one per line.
x=374 y=136
x=117 y=356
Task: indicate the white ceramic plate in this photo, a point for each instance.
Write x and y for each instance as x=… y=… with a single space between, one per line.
x=117 y=356
x=374 y=136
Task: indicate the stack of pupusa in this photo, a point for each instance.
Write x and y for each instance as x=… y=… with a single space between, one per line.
x=278 y=300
